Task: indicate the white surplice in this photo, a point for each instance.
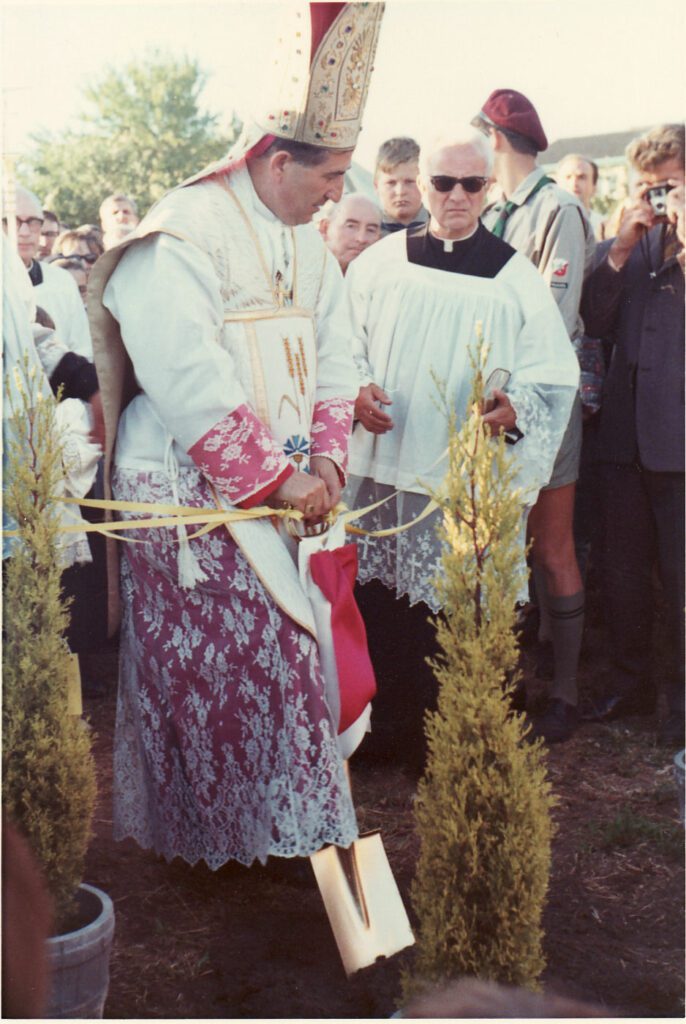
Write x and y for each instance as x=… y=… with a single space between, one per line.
x=413 y=324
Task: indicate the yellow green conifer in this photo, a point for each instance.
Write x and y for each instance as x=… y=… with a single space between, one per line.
x=48 y=774
x=483 y=805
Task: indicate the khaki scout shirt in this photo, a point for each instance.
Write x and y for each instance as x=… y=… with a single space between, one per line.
x=553 y=231
x=388 y=221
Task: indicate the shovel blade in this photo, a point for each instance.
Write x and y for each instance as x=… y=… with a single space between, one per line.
x=363 y=903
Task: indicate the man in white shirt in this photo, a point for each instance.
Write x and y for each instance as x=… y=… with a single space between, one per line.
x=55 y=289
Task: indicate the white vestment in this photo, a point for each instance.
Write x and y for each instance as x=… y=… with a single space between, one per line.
x=59 y=296
x=413 y=324
x=28 y=345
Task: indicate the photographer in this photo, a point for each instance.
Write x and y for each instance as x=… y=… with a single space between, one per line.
x=635 y=297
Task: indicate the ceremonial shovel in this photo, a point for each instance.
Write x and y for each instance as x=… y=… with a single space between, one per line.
x=360 y=895
x=362 y=901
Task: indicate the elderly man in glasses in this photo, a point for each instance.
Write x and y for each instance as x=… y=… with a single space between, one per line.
x=55 y=289
x=418 y=297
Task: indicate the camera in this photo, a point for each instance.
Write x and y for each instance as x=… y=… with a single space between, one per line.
x=497 y=379
x=657 y=197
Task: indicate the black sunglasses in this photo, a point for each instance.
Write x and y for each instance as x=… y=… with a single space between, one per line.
x=446 y=183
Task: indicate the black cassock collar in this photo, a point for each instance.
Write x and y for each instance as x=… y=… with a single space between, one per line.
x=480 y=255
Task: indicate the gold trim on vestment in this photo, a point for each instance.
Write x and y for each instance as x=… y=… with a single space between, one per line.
x=267 y=313
x=260 y=254
x=259 y=384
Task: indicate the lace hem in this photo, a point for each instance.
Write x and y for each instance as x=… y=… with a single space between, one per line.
x=543 y=412
x=224 y=745
x=408 y=562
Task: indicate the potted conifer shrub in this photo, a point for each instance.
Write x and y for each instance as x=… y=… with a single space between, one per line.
x=483 y=805
x=48 y=783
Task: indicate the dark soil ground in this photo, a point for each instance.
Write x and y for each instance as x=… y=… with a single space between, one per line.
x=243 y=943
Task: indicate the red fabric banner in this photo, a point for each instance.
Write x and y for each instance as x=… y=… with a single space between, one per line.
x=335 y=572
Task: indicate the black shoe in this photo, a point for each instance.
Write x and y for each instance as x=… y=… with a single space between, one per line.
x=614 y=706
x=557 y=723
x=671 y=731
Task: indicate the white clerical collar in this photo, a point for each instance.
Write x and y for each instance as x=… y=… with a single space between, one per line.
x=449 y=243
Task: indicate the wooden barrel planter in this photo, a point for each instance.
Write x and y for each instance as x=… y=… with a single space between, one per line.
x=80 y=960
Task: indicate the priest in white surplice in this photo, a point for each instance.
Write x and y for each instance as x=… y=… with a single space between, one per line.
x=222 y=320
x=417 y=298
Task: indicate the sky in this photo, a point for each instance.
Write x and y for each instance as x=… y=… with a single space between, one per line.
x=589 y=67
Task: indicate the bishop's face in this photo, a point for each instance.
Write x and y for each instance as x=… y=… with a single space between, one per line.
x=454 y=214
x=299 y=191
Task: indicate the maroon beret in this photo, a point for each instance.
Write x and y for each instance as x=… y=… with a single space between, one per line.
x=513 y=112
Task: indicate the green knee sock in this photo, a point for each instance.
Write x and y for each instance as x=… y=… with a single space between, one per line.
x=566 y=627
x=544 y=630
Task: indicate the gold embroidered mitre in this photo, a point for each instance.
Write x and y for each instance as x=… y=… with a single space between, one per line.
x=322 y=73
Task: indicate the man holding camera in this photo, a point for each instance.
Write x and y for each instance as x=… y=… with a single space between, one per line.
x=635 y=297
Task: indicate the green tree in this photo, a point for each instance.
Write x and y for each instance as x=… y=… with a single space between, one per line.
x=143 y=132
x=483 y=806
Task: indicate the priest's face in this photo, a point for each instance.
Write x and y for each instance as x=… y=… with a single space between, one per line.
x=299 y=191
x=455 y=214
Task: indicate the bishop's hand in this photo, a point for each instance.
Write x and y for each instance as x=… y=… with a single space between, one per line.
x=326 y=470
x=305 y=492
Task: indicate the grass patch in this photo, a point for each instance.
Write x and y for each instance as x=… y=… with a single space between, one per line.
x=629 y=829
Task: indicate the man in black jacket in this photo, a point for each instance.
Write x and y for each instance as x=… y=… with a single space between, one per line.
x=635 y=297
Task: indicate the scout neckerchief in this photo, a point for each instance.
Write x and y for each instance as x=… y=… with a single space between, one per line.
x=509 y=207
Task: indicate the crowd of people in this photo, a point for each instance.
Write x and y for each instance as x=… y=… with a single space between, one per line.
x=254 y=359
x=57 y=261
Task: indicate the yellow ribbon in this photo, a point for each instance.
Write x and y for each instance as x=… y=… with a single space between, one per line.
x=161 y=515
